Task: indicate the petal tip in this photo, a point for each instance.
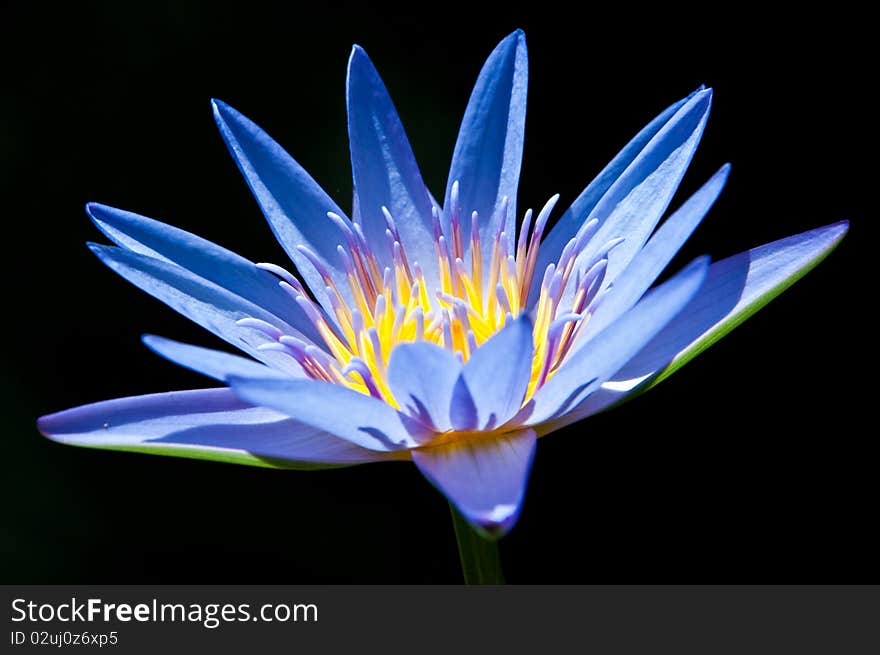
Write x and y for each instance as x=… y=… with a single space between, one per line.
x=53 y=426
x=100 y=213
x=832 y=233
x=514 y=40
x=43 y=425
x=359 y=63
x=496 y=523
x=704 y=97
x=837 y=231
x=150 y=340
x=524 y=321
x=701 y=263
x=222 y=112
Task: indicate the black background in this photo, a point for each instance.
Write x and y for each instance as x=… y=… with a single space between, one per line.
x=752 y=464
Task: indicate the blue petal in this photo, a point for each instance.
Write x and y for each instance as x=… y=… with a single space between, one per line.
x=341 y=411
x=293 y=203
x=218 y=265
x=213 y=363
x=488 y=153
x=497 y=375
x=647 y=265
x=422 y=377
x=735 y=288
x=585 y=370
x=634 y=204
x=484 y=478
x=581 y=209
x=385 y=169
x=209 y=305
x=204 y=424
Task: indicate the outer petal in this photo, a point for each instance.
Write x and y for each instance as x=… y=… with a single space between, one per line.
x=581 y=209
x=385 y=169
x=422 y=377
x=204 y=424
x=734 y=290
x=218 y=265
x=211 y=306
x=647 y=265
x=293 y=203
x=484 y=478
x=213 y=363
x=488 y=153
x=497 y=375
x=586 y=369
x=361 y=419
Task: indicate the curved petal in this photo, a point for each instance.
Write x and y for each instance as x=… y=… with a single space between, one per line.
x=581 y=209
x=488 y=153
x=585 y=370
x=385 y=170
x=647 y=265
x=734 y=290
x=207 y=424
x=497 y=374
x=422 y=377
x=484 y=478
x=634 y=204
x=213 y=363
x=218 y=265
x=293 y=203
x=211 y=306
x=363 y=420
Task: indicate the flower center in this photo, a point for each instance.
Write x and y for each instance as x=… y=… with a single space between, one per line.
x=474 y=300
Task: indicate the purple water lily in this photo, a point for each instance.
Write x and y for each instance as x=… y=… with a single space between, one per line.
x=443 y=334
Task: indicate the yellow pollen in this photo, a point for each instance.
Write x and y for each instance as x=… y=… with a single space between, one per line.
x=474 y=299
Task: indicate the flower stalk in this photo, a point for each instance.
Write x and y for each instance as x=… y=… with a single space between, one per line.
x=480 y=560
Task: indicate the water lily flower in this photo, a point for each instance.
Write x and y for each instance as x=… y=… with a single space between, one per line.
x=450 y=334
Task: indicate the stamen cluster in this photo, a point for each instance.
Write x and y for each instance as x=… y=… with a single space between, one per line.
x=474 y=300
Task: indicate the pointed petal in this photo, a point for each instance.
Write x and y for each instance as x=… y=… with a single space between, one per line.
x=213 y=363
x=218 y=265
x=735 y=289
x=209 y=305
x=484 y=478
x=585 y=370
x=361 y=419
x=422 y=377
x=581 y=209
x=634 y=204
x=463 y=413
x=497 y=374
x=209 y=424
x=385 y=170
x=293 y=203
x=647 y=265
x=488 y=153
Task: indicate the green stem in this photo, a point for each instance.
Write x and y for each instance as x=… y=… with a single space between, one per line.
x=480 y=562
